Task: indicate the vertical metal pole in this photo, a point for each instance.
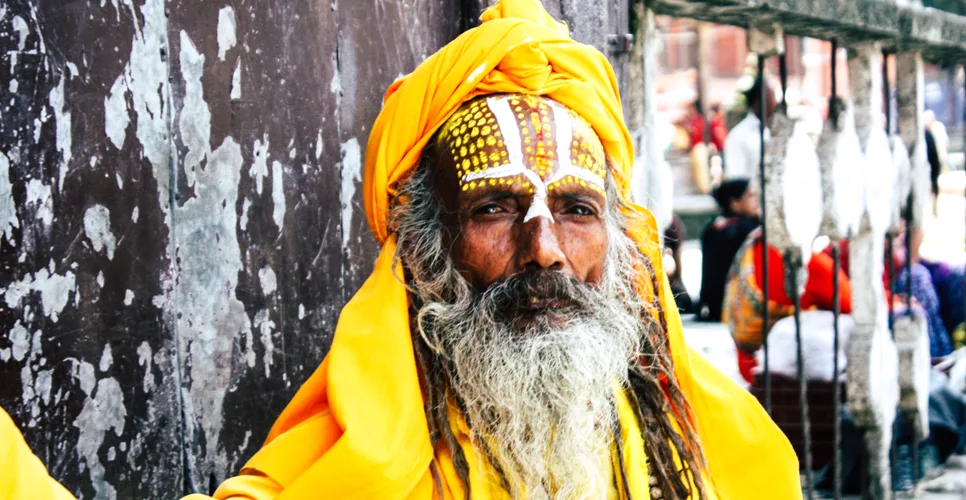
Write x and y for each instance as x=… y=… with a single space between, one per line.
x=836 y=388
x=886 y=93
x=783 y=75
x=764 y=226
x=792 y=263
x=911 y=424
x=835 y=68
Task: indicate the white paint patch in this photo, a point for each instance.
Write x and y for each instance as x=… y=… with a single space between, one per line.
x=84 y=373
x=335 y=86
x=195 y=121
x=264 y=324
x=8 y=210
x=227 y=37
x=116 y=117
x=120 y=181
x=236 y=91
x=128 y=297
x=5 y=354
x=243 y=221
x=97 y=226
x=266 y=276
x=351 y=173
x=38 y=194
x=43 y=385
x=146 y=78
x=38 y=127
x=514 y=166
x=14 y=86
x=74 y=72
x=318 y=146
x=20 y=26
x=55 y=291
x=107 y=358
x=212 y=318
x=135 y=214
x=19 y=341
x=301 y=311
x=100 y=279
x=144 y=359
x=64 y=138
x=259 y=169
x=103 y=412
x=278 y=195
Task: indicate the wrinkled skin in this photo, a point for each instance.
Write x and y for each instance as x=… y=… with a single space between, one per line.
x=490 y=240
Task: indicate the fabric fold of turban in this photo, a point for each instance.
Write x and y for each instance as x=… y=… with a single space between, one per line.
x=357 y=428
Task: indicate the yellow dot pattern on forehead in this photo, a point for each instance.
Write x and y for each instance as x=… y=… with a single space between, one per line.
x=523 y=140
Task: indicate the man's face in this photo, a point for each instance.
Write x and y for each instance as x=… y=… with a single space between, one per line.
x=522 y=183
x=748 y=204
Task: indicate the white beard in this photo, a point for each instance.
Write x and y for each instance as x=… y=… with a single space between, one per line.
x=543 y=399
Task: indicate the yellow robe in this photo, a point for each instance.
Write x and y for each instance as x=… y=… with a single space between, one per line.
x=357 y=429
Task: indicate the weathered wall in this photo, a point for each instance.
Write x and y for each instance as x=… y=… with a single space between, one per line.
x=181 y=217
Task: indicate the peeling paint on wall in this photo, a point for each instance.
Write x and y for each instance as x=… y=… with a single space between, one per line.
x=268 y=280
x=154 y=236
x=103 y=411
x=97 y=226
x=259 y=169
x=351 y=174
x=116 y=116
x=236 y=91
x=8 y=210
x=38 y=195
x=63 y=121
x=278 y=195
x=55 y=291
x=226 y=31
x=195 y=121
x=263 y=322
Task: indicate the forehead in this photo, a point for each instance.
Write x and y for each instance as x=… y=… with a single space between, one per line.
x=521 y=139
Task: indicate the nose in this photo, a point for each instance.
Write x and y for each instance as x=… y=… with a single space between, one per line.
x=539 y=248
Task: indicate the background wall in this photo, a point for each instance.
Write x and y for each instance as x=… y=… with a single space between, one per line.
x=181 y=217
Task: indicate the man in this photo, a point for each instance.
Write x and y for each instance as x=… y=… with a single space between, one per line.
x=516 y=338
x=936 y=151
x=742 y=150
x=719 y=132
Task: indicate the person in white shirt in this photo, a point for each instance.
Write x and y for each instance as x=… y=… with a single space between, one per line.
x=742 y=151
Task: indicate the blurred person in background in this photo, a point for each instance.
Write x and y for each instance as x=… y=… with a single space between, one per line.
x=674 y=237
x=742 y=149
x=937 y=145
x=719 y=131
x=721 y=239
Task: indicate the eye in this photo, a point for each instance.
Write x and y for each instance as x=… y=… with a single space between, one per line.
x=489 y=209
x=580 y=209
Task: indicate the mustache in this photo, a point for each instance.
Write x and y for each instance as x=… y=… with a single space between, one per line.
x=537 y=291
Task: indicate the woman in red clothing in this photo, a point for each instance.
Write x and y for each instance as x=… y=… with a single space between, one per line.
x=743 y=305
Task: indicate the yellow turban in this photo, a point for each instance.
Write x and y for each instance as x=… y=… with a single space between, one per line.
x=357 y=428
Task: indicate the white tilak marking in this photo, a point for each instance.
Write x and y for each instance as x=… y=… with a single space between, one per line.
x=511 y=139
x=564 y=135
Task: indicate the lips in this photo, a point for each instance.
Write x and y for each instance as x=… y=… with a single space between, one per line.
x=539 y=304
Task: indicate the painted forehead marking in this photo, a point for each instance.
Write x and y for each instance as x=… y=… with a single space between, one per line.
x=494 y=140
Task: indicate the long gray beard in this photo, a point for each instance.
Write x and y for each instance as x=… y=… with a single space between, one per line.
x=540 y=398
